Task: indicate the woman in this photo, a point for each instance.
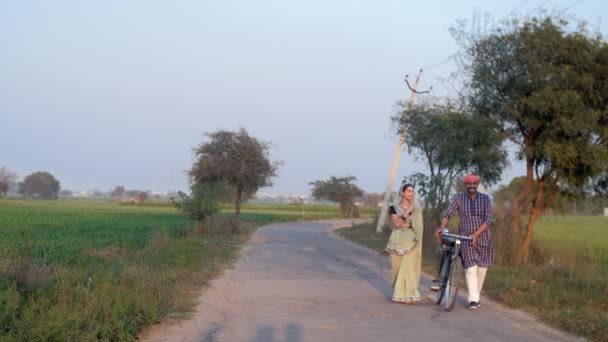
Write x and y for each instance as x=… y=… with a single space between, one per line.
x=405 y=246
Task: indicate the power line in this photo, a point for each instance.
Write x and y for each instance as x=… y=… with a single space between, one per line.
x=513 y=11
x=538 y=8
x=517 y=7
x=572 y=5
x=439 y=63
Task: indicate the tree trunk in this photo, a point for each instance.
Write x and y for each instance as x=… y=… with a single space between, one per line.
x=519 y=200
x=239 y=194
x=343 y=209
x=200 y=226
x=523 y=252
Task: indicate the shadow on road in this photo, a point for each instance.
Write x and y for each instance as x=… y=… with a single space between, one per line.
x=266 y=333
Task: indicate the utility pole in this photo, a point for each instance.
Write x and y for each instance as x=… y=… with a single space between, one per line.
x=391 y=178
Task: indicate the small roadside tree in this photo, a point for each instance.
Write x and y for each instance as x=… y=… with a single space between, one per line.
x=8 y=179
x=451 y=142
x=201 y=204
x=40 y=185
x=236 y=159
x=338 y=189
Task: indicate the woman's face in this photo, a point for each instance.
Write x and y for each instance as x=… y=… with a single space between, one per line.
x=408 y=193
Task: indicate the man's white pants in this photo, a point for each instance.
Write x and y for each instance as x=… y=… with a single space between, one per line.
x=475 y=276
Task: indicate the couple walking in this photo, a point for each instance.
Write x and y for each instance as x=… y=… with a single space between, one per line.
x=405 y=243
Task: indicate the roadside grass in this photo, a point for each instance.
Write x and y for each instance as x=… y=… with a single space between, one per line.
x=365 y=235
x=568 y=286
x=97 y=270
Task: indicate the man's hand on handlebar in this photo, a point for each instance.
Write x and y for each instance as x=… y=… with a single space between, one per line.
x=473 y=240
x=437 y=233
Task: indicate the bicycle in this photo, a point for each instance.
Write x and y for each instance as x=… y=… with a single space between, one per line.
x=449 y=270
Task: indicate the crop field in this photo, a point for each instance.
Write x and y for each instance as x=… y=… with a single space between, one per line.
x=98 y=270
x=59 y=231
x=582 y=235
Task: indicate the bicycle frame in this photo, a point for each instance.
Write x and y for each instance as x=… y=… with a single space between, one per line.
x=449 y=268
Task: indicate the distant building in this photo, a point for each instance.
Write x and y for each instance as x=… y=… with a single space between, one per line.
x=279 y=198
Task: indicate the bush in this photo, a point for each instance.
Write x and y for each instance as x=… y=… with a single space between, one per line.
x=223 y=225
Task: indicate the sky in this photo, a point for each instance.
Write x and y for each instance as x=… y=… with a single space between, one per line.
x=111 y=93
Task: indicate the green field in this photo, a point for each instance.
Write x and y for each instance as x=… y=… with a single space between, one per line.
x=567 y=288
x=575 y=235
x=97 y=270
x=83 y=270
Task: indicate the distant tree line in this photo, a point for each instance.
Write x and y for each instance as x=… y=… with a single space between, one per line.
x=44 y=185
x=38 y=185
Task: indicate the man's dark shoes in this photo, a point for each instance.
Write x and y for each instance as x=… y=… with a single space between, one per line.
x=473 y=305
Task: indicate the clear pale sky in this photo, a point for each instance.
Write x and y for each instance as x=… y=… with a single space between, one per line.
x=110 y=93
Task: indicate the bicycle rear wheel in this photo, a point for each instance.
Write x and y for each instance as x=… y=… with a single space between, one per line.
x=453 y=283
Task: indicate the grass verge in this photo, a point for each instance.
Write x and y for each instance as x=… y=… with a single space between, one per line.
x=568 y=290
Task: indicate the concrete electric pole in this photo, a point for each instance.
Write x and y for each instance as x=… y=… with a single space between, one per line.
x=391 y=178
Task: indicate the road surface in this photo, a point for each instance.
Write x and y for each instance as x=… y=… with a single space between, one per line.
x=298 y=282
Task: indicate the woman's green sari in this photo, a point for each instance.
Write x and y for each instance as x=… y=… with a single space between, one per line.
x=405 y=250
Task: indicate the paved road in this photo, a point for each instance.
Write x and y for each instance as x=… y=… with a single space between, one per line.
x=298 y=282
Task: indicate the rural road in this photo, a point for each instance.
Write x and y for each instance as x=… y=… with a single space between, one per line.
x=298 y=282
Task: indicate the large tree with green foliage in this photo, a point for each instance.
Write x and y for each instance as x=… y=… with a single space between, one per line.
x=545 y=85
x=235 y=159
x=451 y=142
x=40 y=185
x=338 y=189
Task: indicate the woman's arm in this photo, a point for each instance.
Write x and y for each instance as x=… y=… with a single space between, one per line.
x=398 y=221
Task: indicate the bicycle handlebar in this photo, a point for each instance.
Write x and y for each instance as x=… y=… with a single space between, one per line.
x=460 y=237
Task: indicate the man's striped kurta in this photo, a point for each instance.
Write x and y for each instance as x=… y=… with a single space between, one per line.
x=472 y=213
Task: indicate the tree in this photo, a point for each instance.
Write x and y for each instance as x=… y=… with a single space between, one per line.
x=505 y=194
x=40 y=185
x=340 y=190
x=236 y=159
x=546 y=88
x=201 y=205
x=7 y=180
x=451 y=142
x=119 y=191
x=229 y=193
x=371 y=199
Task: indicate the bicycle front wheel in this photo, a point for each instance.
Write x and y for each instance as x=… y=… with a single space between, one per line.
x=453 y=283
x=442 y=277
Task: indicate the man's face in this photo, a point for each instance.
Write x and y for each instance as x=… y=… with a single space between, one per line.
x=471 y=187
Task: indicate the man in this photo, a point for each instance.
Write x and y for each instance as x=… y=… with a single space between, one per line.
x=474 y=218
